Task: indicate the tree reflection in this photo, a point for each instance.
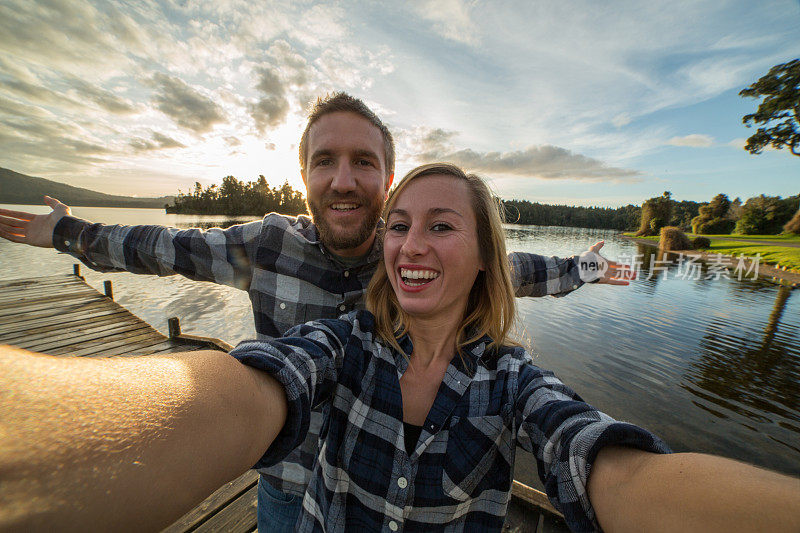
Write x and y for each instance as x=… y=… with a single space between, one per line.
x=752 y=376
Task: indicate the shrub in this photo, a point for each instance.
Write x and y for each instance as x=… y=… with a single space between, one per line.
x=701 y=243
x=673 y=238
x=793 y=226
x=714 y=217
x=655 y=212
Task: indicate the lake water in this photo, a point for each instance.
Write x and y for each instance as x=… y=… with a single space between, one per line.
x=710 y=365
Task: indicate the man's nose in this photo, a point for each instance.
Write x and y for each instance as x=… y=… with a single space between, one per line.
x=343 y=178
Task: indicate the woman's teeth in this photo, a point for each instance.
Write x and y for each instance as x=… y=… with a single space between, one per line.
x=415 y=278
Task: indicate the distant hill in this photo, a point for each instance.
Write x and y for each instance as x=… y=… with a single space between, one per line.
x=16 y=188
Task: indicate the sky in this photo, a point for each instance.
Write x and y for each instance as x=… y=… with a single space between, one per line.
x=579 y=103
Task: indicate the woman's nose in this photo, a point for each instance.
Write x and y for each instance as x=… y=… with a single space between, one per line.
x=415 y=243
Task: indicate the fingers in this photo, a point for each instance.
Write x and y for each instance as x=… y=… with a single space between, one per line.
x=614 y=281
x=56 y=204
x=11 y=236
x=21 y=215
x=617 y=270
x=596 y=246
x=12 y=222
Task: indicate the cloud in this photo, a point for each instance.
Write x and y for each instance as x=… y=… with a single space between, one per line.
x=739 y=143
x=452 y=19
x=159 y=142
x=186 y=106
x=542 y=161
x=272 y=107
x=232 y=141
x=105 y=99
x=695 y=140
x=623 y=119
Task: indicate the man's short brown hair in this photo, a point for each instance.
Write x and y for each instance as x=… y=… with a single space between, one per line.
x=341 y=101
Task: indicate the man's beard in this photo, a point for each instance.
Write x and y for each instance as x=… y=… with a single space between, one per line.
x=351 y=237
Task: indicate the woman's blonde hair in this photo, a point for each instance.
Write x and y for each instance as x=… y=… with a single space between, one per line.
x=491 y=307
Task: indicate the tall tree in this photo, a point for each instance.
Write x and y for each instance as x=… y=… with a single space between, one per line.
x=779 y=113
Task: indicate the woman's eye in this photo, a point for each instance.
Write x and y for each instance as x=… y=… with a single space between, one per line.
x=441 y=226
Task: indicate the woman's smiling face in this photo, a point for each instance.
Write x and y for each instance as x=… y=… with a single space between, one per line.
x=431 y=247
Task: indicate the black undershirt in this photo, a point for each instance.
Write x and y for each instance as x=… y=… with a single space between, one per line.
x=412 y=433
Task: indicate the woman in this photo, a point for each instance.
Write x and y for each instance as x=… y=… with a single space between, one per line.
x=429 y=402
x=429 y=397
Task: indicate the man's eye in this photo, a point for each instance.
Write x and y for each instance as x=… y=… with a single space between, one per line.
x=398 y=226
x=441 y=226
x=364 y=162
x=324 y=162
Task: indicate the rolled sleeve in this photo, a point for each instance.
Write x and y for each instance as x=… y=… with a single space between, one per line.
x=536 y=275
x=565 y=434
x=305 y=363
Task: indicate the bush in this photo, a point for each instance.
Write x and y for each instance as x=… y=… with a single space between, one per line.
x=673 y=238
x=701 y=243
x=765 y=215
x=655 y=213
x=793 y=226
x=714 y=217
x=715 y=226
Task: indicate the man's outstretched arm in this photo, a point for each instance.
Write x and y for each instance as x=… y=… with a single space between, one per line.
x=126 y=443
x=537 y=275
x=216 y=255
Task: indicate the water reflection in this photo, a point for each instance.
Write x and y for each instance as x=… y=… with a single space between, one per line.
x=756 y=376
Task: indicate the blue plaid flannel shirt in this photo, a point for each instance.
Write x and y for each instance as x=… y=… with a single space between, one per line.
x=459 y=476
x=289 y=275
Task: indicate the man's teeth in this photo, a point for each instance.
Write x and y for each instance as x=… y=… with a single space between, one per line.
x=344 y=207
x=426 y=275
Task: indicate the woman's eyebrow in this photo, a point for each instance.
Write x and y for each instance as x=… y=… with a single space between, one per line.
x=431 y=211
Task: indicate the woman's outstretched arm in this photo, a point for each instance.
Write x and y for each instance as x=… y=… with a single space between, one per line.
x=126 y=443
x=632 y=490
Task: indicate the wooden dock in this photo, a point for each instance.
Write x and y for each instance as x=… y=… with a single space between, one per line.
x=64 y=316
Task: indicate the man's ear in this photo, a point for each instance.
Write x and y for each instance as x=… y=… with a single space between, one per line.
x=389 y=181
x=303 y=175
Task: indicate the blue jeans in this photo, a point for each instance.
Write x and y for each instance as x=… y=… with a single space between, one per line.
x=277 y=511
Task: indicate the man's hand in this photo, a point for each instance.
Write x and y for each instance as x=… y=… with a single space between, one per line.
x=616 y=273
x=27 y=228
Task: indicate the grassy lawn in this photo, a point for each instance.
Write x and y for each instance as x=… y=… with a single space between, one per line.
x=776 y=238
x=773 y=254
x=780 y=255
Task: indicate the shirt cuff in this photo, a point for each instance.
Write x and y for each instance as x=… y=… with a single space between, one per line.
x=616 y=434
x=269 y=358
x=67 y=233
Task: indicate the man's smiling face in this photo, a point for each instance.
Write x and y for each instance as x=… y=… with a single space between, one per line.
x=346 y=181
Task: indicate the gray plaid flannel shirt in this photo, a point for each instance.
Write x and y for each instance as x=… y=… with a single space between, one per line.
x=289 y=275
x=459 y=476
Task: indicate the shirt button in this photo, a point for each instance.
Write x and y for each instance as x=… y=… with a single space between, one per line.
x=574 y=287
x=393 y=525
x=347 y=273
x=283 y=305
x=402 y=482
x=342 y=307
x=67 y=243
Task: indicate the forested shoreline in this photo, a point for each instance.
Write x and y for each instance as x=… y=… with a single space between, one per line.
x=254 y=198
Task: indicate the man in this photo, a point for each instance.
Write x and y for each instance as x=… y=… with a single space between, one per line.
x=294 y=270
